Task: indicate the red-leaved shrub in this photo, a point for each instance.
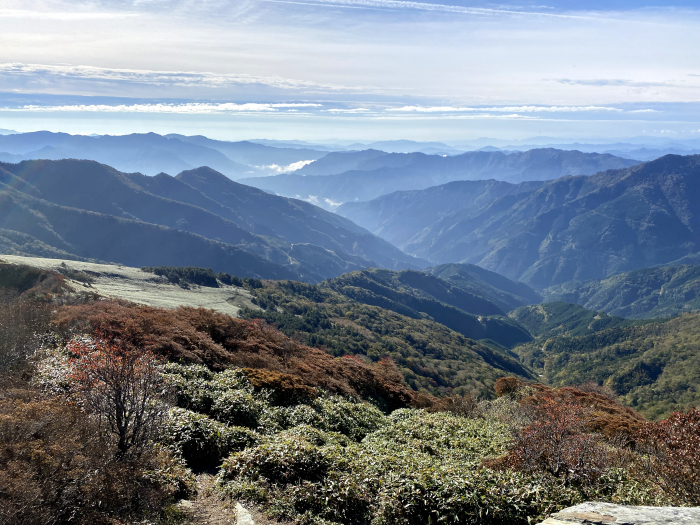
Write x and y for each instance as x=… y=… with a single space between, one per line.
x=672 y=447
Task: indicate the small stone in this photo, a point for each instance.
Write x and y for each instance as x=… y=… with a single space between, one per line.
x=243 y=517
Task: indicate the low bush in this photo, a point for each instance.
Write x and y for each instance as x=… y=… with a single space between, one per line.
x=349 y=417
x=23 y=322
x=270 y=359
x=672 y=448
x=202 y=441
x=238 y=407
x=418 y=467
x=557 y=443
x=57 y=467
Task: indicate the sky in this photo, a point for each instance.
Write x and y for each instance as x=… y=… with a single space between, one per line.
x=353 y=69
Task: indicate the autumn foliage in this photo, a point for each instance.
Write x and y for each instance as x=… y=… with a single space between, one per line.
x=557 y=443
x=56 y=467
x=120 y=385
x=606 y=416
x=673 y=451
x=200 y=336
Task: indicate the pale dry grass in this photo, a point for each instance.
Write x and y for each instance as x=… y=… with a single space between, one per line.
x=134 y=285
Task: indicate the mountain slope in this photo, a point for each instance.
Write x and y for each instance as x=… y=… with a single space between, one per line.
x=558 y=318
x=297 y=221
x=654 y=367
x=400 y=216
x=499 y=290
x=374 y=173
x=296 y=235
x=664 y=291
x=419 y=295
x=573 y=228
x=431 y=357
x=91 y=235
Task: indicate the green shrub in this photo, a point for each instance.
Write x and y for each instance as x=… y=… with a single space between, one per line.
x=315 y=436
x=348 y=416
x=231 y=379
x=303 y=415
x=202 y=441
x=285 y=459
x=226 y=396
x=238 y=407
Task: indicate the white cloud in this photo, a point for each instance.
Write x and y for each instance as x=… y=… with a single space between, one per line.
x=339 y=110
x=63 y=16
x=313 y=199
x=331 y=203
x=161 y=78
x=472 y=116
x=505 y=109
x=289 y=168
x=644 y=111
x=424 y=6
x=189 y=108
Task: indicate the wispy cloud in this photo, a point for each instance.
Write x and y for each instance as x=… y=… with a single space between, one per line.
x=455 y=116
x=188 y=108
x=612 y=82
x=63 y=16
x=424 y=6
x=347 y=110
x=506 y=109
x=163 y=78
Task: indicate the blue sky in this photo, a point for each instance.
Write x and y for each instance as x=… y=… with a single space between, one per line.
x=352 y=69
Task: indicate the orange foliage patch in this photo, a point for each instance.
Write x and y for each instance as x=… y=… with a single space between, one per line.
x=197 y=335
x=607 y=416
x=673 y=446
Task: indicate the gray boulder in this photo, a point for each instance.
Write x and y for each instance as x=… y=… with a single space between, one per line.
x=591 y=513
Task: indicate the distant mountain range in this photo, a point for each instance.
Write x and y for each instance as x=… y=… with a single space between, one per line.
x=341 y=177
x=151 y=153
x=199 y=218
x=572 y=228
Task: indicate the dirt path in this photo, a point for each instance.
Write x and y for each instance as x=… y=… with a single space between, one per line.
x=208 y=508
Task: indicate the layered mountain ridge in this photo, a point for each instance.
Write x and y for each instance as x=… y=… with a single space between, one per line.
x=341 y=177
x=571 y=228
x=61 y=203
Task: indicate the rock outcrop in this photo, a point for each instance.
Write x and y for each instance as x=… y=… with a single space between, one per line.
x=610 y=514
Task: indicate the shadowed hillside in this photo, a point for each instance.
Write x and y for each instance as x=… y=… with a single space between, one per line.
x=93 y=211
x=572 y=228
x=665 y=291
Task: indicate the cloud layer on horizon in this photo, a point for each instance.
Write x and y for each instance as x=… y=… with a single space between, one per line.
x=578 y=65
